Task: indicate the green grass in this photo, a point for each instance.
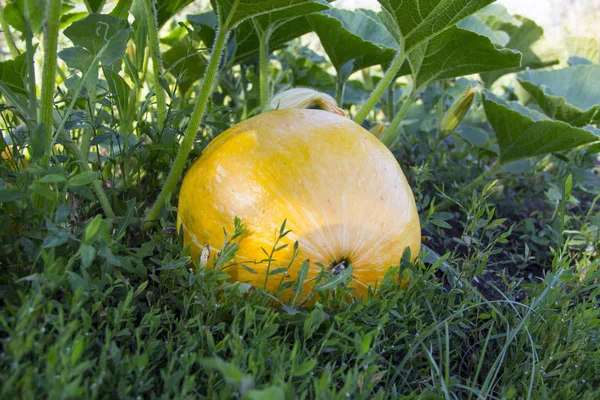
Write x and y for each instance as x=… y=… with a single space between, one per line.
x=503 y=302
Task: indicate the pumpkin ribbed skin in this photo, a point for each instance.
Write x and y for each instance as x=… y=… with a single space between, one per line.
x=341 y=190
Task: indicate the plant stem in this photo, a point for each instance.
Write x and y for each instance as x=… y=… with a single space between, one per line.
x=263 y=63
x=49 y=73
x=30 y=65
x=102 y=197
x=10 y=40
x=87 y=132
x=190 y=133
x=446 y=204
x=390 y=103
x=393 y=131
x=161 y=104
x=339 y=90
x=383 y=84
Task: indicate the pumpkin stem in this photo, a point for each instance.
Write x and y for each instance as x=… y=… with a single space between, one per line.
x=306 y=99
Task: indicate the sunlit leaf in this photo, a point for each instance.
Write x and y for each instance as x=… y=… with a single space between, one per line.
x=233 y=12
x=570 y=94
x=458 y=52
x=526 y=37
x=413 y=22
x=353 y=40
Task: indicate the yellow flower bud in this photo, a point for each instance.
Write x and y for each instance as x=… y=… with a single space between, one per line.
x=304 y=98
x=457 y=112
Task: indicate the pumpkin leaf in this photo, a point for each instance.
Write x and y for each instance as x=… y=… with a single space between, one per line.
x=526 y=37
x=233 y=12
x=457 y=52
x=523 y=132
x=101 y=35
x=584 y=47
x=475 y=24
x=569 y=94
x=353 y=40
x=413 y=22
x=245 y=36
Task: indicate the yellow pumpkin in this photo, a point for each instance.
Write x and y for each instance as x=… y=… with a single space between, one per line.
x=340 y=189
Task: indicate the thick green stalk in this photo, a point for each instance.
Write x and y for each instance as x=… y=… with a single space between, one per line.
x=10 y=40
x=339 y=90
x=381 y=87
x=390 y=103
x=161 y=103
x=49 y=72
x=393 y=130
x=446 y=204
x=30 y=64
x=186 y=146
x=263 y=59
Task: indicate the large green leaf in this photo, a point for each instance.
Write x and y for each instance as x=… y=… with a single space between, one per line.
x=232 y=12
x=523 y=132
x=101 y=35
x=457 y=52
x=416 y=21
x=246 y=39
x=353 y=40
x=571 y=94
x=526 y=37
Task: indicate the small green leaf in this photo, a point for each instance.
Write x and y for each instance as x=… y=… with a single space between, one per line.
x=336 y=280
x=101 y=35
x=14 y=14
x=304 y=368
x=184 y=62
x=87 y=254
x=13 y=75
x=524 y=133
x=119 y=89
x=83 y=178
x=52 y=178
x=270 y=393
x=38 y=143
x=569 y=94
x=92 y=230
x=10 y=194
